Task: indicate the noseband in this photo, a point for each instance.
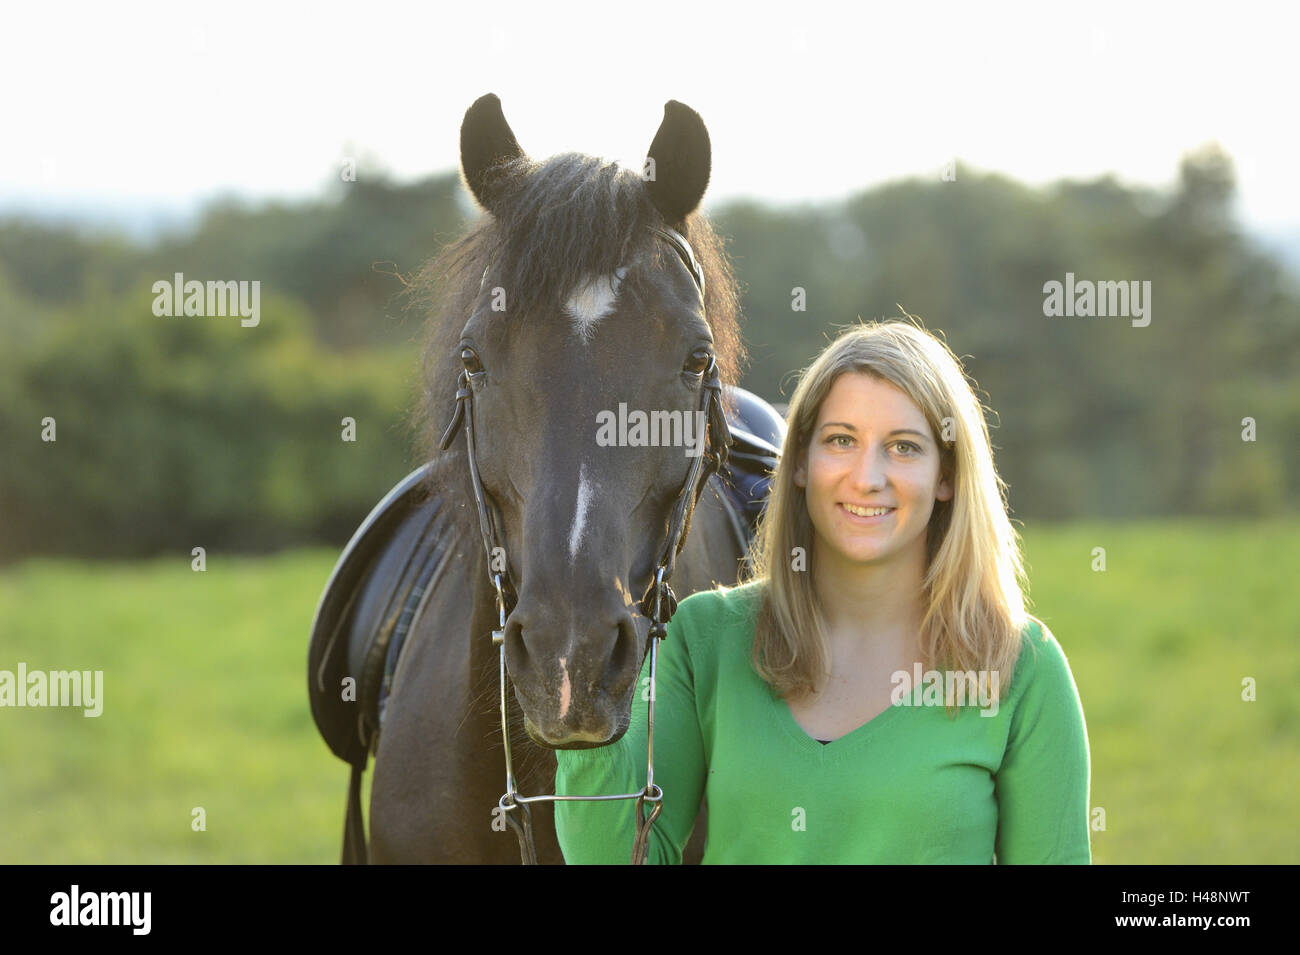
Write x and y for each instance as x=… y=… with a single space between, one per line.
x=658 y=604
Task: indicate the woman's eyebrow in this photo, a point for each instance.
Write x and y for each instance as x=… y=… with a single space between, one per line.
x=849 y=427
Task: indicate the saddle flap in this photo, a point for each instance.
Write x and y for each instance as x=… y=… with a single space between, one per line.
x=361 y=608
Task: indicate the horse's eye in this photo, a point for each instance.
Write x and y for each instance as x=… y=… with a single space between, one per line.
x=470 y=361
x=699 y=361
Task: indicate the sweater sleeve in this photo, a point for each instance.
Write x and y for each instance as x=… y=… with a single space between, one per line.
x=1042 y=786
x=603 y=832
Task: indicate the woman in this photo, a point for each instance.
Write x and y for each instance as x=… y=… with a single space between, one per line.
x=874 y=690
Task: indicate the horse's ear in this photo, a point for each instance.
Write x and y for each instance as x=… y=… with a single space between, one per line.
x=678 y=163
x=485 y=141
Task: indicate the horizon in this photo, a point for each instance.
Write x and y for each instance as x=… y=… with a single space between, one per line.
x=146 y=223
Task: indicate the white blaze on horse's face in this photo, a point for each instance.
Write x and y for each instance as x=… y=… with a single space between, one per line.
x=580 y=512
x=591 y=302
x=566 y=688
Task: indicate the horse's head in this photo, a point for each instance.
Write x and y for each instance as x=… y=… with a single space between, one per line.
x=587 y=344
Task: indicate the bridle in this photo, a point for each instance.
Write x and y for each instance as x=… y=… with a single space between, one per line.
x=658 y=604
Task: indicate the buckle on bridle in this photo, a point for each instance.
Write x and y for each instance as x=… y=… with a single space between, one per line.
x=658 y=605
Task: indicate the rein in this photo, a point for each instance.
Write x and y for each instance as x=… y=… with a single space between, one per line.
x=658 y=604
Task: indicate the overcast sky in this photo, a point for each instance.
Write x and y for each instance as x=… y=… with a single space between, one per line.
x=162 y=105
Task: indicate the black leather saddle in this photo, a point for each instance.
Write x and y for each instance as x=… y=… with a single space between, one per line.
x=388 y=568
x=757 y=436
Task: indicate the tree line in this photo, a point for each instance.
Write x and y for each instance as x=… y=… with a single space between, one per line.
x=125 y=433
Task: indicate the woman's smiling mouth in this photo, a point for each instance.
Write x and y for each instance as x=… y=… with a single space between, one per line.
x=868 y=515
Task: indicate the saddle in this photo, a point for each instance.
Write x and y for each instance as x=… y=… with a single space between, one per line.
x=388 y=568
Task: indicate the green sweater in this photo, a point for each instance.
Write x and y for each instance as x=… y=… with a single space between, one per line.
x=909 y=786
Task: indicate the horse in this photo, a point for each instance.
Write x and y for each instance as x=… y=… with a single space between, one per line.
x=584 y=289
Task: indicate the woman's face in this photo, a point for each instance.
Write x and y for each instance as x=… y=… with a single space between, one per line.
x=871 y=447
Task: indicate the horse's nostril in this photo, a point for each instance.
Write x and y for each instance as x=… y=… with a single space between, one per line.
x=625 y=656
x=517 y=647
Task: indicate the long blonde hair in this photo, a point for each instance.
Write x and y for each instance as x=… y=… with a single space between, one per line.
x=975 y=605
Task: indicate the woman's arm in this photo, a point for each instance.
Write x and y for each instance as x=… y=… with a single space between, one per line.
x=1042 y=787
x=603 y=832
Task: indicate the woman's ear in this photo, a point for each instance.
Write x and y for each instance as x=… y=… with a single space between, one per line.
x=944 y=493
x=801 y=470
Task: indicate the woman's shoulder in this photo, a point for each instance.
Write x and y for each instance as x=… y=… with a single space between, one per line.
x=1041 y=660
x=740 y=600
x=1037 y=638
x=707 y=616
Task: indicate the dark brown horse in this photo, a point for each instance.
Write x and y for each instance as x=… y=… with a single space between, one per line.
x=569 y=304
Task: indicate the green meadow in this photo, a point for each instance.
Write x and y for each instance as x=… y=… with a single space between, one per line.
x=205 y=701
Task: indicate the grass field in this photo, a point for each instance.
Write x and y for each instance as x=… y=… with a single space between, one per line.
x=205 y=700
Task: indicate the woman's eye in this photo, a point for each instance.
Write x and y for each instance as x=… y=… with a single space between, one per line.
x=910 y=448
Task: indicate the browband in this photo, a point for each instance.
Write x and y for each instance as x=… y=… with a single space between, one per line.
x=683 y=248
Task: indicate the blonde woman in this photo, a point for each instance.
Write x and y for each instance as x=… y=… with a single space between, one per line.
x=874 y=690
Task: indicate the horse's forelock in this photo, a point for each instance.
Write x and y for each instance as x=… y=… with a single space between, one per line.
x=569 y=219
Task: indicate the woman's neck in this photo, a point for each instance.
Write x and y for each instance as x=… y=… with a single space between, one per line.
x=879 y=603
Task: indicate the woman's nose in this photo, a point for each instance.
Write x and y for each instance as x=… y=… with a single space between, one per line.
x=869 y=469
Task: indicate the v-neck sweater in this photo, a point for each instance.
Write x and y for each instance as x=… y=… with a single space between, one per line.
x=910 y=785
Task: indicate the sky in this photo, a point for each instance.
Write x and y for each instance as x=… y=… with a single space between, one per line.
x=164 y=106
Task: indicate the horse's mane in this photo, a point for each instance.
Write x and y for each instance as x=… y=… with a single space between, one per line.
x=558 y=222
